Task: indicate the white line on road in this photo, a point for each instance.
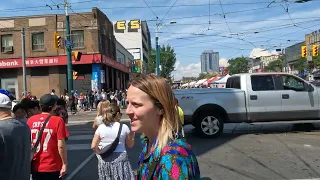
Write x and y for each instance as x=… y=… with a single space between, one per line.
x=80 y=167
x=307 y=179
x=88 y=121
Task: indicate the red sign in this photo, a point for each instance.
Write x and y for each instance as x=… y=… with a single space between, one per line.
x=110 y=62
x=48 y=61
x=62 y=60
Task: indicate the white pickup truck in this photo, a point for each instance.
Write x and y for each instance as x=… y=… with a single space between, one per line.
x=257 y=97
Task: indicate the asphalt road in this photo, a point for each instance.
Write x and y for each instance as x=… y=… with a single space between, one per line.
x=243 y=151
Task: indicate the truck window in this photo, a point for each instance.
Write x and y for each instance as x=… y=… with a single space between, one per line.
x=292 y=83
x=262 y=83
x=233 y=82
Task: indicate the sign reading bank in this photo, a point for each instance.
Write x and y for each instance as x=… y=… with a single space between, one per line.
x=127 y=26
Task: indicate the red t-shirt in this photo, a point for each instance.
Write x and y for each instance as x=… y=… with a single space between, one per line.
x=47 y=157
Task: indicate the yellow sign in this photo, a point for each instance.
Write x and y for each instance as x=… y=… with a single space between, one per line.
x=132 y=26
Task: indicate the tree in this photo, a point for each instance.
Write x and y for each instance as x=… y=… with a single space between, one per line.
x=205 y=75
x=238 y=65
x=167 y=61
x=274 y=66
x=300 y=65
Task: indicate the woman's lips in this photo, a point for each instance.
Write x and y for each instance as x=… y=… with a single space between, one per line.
x=133 y=120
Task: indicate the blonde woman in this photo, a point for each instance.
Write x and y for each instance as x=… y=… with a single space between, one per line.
x=165 y=154
x=117 y=165
x=102 y=108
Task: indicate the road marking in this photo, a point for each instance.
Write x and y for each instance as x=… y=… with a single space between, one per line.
x=81 y=137
x=76 y=147
x=91 y=121
x=307 y=145
x=307 y=179
x=80 y=167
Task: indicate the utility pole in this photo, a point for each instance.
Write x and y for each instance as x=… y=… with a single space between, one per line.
x=69 y=63
x=23 y=59
x=157 y=50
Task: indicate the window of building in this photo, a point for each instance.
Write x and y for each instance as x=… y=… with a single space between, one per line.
x=39 y=72
x=6 y=43
x=38 y=41
x=262 y=83
x=77 y=38
x=120 y=57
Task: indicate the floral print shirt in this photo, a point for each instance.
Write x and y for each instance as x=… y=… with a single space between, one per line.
x=175 y=162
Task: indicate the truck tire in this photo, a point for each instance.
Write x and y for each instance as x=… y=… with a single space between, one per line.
x=209 y=125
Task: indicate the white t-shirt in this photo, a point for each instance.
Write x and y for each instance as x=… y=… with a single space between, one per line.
x=109 y=133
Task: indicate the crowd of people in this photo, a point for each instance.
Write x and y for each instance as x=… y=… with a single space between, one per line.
x=149 y=103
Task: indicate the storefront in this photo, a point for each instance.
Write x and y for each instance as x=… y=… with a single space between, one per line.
x=47 y=73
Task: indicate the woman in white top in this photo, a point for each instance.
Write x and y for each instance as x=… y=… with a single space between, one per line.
x=117 y=165
x=102 y=110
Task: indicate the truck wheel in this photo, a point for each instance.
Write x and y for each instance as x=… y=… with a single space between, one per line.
x=209 y=125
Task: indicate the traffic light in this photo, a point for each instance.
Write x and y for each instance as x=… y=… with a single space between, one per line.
x=315 y=50
x=57 y=40
x=77 y=55
x=303 y=51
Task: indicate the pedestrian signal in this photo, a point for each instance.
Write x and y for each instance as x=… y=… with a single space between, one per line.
x=315 y=50
x=303 y=51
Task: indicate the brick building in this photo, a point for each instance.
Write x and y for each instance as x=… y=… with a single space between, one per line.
x=91 y=34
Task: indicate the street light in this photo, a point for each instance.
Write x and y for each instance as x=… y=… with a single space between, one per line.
x=158 y=27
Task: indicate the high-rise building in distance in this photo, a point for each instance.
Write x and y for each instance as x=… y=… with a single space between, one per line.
x=209 y=62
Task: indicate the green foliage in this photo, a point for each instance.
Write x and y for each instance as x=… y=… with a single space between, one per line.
x=238 y=65
x=205 y=75
x=167 y=61
x=300 y=65
x=274 y=66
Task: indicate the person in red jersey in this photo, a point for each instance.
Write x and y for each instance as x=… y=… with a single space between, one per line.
x=50 y=158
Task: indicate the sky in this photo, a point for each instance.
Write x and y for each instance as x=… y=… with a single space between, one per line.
x=233 y=28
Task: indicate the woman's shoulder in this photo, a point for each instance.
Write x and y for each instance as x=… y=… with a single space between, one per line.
x=178 y=154
x=178 y=147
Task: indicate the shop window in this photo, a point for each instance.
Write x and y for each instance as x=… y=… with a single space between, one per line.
x=39 y=71
x=6 y=43
x=38 y=41
x=77 y=38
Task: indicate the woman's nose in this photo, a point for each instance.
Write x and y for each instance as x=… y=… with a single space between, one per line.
x=129 y=110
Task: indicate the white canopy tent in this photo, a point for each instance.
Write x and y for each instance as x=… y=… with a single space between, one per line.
x=200 y=82
x=222 y=80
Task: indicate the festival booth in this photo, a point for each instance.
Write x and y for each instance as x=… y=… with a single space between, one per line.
x=200 y=82
x=221 y=83
x=208 y=82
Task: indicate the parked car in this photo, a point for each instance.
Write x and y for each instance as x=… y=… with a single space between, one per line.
x=257 y=97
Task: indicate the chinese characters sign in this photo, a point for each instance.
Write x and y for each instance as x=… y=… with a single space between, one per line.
x=49 y=61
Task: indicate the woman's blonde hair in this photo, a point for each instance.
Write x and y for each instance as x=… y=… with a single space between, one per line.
x=161 y=94
x=111 y=114
x=102 y=107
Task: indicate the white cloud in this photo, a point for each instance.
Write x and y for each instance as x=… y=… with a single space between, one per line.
x=190 y=70
x=258 y=52
x=223 y=62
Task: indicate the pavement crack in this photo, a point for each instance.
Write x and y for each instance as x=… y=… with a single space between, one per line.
x=241 y=172
x=297 y=156
x=259 y=162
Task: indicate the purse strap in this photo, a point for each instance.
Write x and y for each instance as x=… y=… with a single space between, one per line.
x=120 y=129
x=40 y=134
